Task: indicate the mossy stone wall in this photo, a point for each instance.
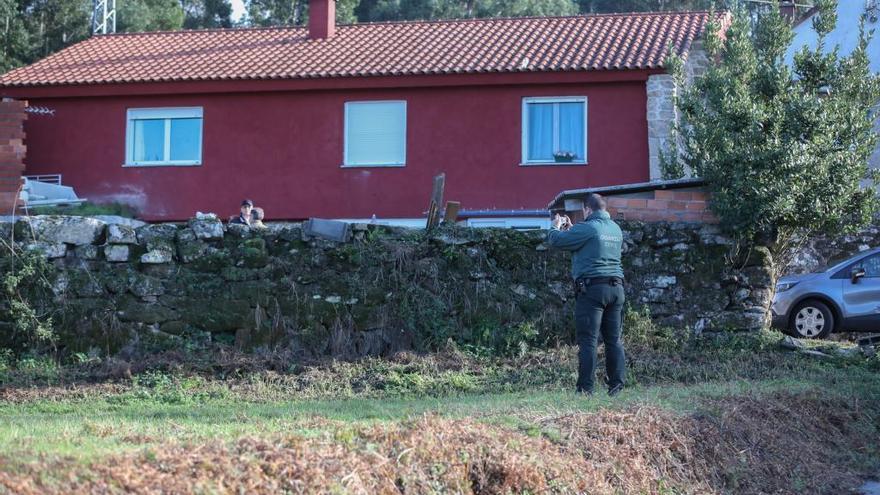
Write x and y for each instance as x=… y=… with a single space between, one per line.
x=126 y=289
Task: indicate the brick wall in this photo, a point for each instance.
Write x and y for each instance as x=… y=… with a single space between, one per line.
x=663 y=205
x=12 y=152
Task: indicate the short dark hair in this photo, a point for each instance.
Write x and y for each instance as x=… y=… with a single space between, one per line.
x=595 y=202
x=247 y=202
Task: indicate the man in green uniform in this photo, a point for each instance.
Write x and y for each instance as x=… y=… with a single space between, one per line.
x=596 y=246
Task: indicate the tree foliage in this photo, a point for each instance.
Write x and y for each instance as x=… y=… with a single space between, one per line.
x=149 y=15
x=207 y=14
x=784 y=149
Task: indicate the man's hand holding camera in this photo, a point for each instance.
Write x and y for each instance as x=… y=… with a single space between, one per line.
x=561 y=222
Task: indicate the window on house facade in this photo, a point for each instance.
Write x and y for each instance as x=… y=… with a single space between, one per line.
x=164 y=136
x=375 y=134
x=554 y=130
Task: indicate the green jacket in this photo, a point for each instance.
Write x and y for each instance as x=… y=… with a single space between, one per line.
x=595 y=244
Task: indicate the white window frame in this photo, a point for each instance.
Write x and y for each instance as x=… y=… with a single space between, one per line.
x=346 y=163
x=166 y=114
x=525 y=128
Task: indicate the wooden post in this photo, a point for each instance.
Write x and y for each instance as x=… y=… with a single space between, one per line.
x=436 y=201
x=451 y=214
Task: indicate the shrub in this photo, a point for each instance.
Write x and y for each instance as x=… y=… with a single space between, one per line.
x=783 y=149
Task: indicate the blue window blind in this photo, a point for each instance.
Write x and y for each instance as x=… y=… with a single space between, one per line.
x=375 y=133
x=554 y=127
x=164 y=136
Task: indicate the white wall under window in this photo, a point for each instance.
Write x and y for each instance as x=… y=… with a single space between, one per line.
x=163 y=136
x=552 y=126
x=375 y=134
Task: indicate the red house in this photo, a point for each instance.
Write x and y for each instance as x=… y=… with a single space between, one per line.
x=354 y=121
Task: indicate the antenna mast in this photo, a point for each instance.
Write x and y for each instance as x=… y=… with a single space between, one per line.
x=104 y=17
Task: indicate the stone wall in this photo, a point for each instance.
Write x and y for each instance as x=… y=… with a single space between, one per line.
x=118 y=288
x=12 y=152
x=823 y=252
x=662 y=114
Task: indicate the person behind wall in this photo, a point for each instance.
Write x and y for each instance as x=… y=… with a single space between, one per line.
x=257 y=215
x=244 y=216
x=596 y=245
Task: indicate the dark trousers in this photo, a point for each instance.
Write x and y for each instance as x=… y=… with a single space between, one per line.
x=598 y=311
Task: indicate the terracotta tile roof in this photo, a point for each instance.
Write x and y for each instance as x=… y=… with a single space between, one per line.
x=535 y=44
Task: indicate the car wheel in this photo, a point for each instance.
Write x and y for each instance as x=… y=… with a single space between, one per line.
x=812 y=320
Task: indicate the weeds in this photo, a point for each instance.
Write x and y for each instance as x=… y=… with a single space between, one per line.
x=24 y=286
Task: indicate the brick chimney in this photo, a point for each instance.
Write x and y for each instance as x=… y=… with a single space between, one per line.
x=322 y=19
x=12 y=152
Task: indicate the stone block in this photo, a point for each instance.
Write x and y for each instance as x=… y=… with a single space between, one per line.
x=49 y=250
x=158 y=255
x=191 y=250
x=661 y=281
x=89 y=252
x=332 y=230
x=116 y=252
x=121 y=234
x=207 y=227
x=136 y=311
x=144 y=285
x=52 y=229
x=156 y=234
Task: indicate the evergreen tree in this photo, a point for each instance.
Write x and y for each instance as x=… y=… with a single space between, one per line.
x=293 y=12
x=207 y=14
x=275 y=12
x=784 y=150
x=15 y=41
x=148 y=15
x=55 y=24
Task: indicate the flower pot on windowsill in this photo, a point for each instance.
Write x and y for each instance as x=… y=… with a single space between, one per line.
x=563 y=158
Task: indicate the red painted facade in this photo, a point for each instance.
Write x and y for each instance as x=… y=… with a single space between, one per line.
x=281 y=144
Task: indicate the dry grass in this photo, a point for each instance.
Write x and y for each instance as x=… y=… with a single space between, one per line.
x=784 y=443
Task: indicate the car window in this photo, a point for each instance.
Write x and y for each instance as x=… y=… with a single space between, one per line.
x=871 y=264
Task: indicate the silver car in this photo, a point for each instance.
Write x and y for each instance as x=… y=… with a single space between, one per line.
x=843 y=298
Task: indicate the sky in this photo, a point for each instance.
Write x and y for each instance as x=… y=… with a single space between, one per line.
x=237 y=9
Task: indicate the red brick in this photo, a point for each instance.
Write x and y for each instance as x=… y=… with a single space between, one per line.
x=699 y=196
x=616 y=202
x=658 y=204
x=10 y=183
x=664 y=194
x=637 y=203
x=696 y=206
x=11 y=118
x=636 y=215
x=10 y=174
x=8 y=202
x=677 y=205
x=653 y=215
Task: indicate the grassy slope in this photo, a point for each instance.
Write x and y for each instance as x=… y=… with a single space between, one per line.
x=54 y=416
x=93 y=427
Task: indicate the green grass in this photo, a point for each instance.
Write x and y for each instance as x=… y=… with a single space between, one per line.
x=104 y=424
x=86 y=210
x=192 y=402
